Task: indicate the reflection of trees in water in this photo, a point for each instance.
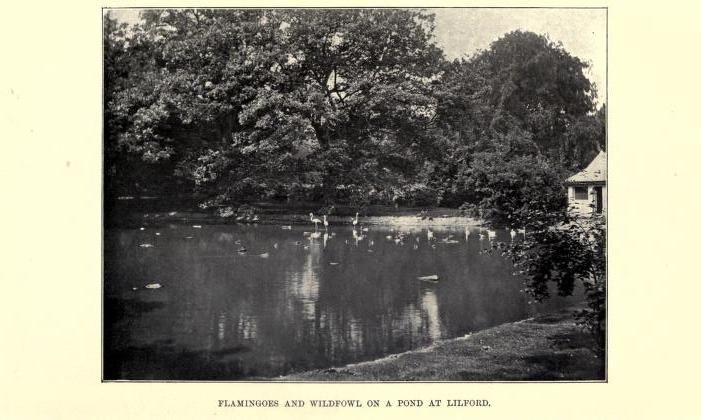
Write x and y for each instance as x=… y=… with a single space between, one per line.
x=370 y=307
x=420 y=321
x=221 y=326
x=245 y=328
x=305 y=284
x=294 y=310
x=429 y=306
x=408 y=323
x=332 y=331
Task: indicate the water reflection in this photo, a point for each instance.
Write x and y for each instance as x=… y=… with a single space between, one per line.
x=296 y=299
x=304 y=283
x=429 y=305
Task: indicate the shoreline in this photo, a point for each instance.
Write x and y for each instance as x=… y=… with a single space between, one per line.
x=547 y=347
x=290 y=216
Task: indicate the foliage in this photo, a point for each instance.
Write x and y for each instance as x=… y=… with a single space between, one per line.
x=352 y=106
x=511 y=186
x=537 y=82
x=299 y=102
x=565 y=255
x=585 y=138
x=530 y=124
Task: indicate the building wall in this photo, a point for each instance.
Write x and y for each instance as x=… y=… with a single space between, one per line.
x=586 y=206
x=604 y=196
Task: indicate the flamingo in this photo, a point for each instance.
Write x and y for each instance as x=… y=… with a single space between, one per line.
x=326 y=223
x=314 y=220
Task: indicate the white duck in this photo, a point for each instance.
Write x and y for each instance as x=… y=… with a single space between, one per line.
x=491 y=234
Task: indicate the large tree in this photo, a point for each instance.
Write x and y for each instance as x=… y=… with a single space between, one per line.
x=515 y=120
x=244 y=103
x=186 y=76
x=340 y=105
x=537 y=84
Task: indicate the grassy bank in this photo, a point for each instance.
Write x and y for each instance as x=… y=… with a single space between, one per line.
x=547 y=347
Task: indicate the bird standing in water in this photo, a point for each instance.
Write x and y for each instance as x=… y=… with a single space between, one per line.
x=355 y=221
x=326 y=223
x=314 y=220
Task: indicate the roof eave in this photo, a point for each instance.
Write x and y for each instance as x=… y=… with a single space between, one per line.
x=585 y=182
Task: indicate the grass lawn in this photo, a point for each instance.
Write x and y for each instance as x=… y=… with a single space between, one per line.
x=548 y=347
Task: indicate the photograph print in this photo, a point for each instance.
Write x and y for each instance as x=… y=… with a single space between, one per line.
x=354 y=194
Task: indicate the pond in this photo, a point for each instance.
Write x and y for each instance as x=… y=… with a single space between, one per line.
x=296 y=299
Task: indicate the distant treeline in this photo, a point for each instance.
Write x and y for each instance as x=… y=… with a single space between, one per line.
x=351 y=107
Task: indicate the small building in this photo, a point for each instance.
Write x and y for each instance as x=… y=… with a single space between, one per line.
x=586 y=190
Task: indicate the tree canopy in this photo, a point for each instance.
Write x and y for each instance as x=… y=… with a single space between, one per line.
x=349 y=106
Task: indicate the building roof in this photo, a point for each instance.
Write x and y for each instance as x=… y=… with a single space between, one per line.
x=595 y=173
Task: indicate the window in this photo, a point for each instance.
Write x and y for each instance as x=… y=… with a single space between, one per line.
x=580 y=193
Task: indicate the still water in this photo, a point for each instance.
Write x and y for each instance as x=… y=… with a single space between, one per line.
x=294 y=300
